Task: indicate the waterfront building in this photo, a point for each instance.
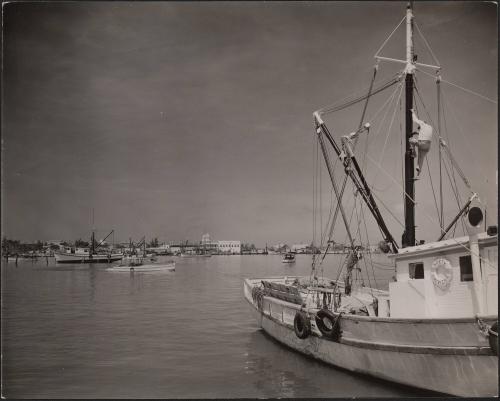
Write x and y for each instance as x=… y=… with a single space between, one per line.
x=160 y=250
x=299 y=248
x=209 y=246
x=205 y=239
x=175 y=248
x=229 y=247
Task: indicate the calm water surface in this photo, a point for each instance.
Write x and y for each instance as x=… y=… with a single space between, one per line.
x=80 y=331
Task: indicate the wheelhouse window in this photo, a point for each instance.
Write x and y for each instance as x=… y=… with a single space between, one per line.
x=466 y=268
x=416 y=270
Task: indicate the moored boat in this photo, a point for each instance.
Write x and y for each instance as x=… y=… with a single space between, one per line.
x=436 y=326
x=288 y=257
x=82 y=255
x=90 y=254
x=138 y=264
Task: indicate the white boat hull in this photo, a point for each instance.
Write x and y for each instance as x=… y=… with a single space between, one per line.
x=144 y=268
x=85 y=258
x=445 y=356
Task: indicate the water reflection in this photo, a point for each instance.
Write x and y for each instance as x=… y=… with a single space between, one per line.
x=279 y=371
x=274 y=368
x=86 y=332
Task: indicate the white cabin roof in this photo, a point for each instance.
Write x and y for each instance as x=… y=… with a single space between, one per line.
x=445 y=245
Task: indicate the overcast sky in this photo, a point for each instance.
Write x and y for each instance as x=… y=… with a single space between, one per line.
x=175 y=119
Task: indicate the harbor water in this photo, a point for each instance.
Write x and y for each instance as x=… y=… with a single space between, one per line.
x=81 y=331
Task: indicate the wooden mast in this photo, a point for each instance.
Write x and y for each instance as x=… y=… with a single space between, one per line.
x=409 y=233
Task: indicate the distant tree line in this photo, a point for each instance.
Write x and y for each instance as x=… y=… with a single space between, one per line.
x=12 y=246
x=247 y=247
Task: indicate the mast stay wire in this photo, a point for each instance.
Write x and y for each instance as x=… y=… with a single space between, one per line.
x=448 y=151
x=390 y=127
x=459 y=87
x=334 y=107
x=339 y=199
x=386 y=172
x=432 y=220
x=345 y=259
x=454 y=188
x=340 y=196
x=433 y=192
x=450 y=156
x=452 y=179
x=361 y=217
x=446 y=147
x=388 y=101
x=342 y=263
x=364 y=260
x=369 y=248
x=452 y=112
x=392 y=33
x=325 y=110
x=387 y=207
x=426 y=43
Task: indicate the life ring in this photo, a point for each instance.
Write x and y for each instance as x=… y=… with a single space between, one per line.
x=493 y=337
x=302 y=325
x=328 y=324
x=441 y=273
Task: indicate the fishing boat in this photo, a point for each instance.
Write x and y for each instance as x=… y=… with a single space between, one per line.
x=140 y=261
x=193 y=254
x=91 y=254
x=288 y=257
x=140 y=264
x=435 y=328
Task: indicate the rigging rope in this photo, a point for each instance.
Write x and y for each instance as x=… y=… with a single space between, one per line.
x=373 y=118
x=454 y=182
x=462 y=88
x=390 y=127
x=389 y=210
x=470 y=146
x=392 y=33
x=433 y=192
x=369 y=249
x=455 y=191
x=427 y=44
x=430 y=218
x=339 y=198
x=454 y=164
x=439 y=104
x=334 y=108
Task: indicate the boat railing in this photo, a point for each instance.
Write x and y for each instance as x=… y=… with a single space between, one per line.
x=281 y=291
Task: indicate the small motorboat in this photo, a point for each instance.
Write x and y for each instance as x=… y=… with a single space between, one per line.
x=289 y=257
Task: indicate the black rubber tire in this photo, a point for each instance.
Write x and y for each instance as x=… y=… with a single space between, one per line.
x=302 y=325
x=332 y=330
x=493 y=338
